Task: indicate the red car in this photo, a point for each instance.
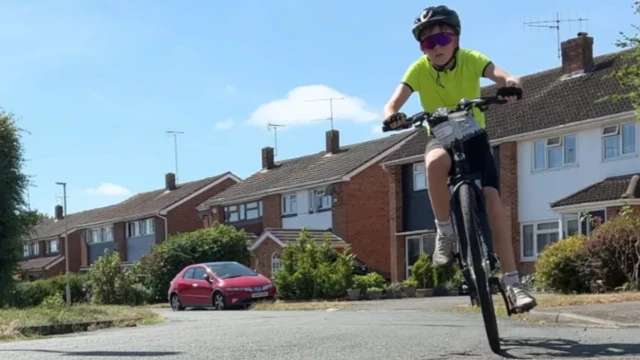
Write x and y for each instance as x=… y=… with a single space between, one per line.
x=218 y=284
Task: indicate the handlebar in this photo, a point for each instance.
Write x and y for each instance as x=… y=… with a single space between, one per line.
x=418 y=119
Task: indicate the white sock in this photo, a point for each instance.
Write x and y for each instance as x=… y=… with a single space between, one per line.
x=444 y=227
x=510 y=278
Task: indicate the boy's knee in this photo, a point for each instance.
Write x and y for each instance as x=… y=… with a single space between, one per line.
x=438 y=163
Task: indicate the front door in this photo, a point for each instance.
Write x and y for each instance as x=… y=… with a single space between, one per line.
x=416 y=245
x=201 y=288
x=185 y=288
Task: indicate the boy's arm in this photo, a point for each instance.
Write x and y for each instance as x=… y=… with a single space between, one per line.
x=500 y=76
x=397 y=100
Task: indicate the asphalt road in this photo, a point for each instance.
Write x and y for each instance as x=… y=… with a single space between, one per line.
x=364 y=334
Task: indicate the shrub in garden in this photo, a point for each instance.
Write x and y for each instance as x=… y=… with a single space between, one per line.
x=218 y=243
x=612 y=254
x=422 y=272
x=558 y=266
x=109 y=283
x=28 y=294
x=308 y=271
x=370 y=282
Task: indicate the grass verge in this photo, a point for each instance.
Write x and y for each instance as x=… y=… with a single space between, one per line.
x=546 y=301
x=13 y=321
x=299 y=305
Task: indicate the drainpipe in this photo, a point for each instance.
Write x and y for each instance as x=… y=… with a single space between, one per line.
x=166 y=226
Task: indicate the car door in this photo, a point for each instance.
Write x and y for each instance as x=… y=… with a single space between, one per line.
x=185 y=288
x=201 y=287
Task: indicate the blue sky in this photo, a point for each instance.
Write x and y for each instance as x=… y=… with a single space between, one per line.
x=97 y=83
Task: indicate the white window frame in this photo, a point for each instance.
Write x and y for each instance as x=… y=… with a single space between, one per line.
x=422 y=238
x=536 y=232
x=319 y=200
x=616 y=131
x=565 y=221
x=55 y=241
x=276 y=264
x=289 y=204
x=550 y=143
x=26 y=250
x=35 y=249
x=419 y=169
x=140 y=228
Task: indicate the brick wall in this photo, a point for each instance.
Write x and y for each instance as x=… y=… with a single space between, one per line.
x=272 y=211
x=509 y=194
x=262 y=256
x=365 y=206
x=184 y=218
x=397 y=252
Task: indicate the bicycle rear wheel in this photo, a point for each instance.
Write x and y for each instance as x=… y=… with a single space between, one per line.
x=479 y=263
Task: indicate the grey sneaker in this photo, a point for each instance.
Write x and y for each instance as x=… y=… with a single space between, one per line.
x=520 y=298
x=443 y=254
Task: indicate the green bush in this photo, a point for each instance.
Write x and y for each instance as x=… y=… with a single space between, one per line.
x=422 y=272
x=109 y=283
x=367 y=282
x=308 y=272
x=218 y=243
x=28 y=294
x=558 y=266
x=612 y=254
x=450 y=276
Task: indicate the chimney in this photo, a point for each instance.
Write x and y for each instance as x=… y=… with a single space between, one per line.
x=170 y=181
x=577 y=53
x=267 y=158
x=58 y=212
x=333 y=141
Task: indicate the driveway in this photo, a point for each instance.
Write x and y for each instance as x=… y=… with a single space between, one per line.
x=361 y=334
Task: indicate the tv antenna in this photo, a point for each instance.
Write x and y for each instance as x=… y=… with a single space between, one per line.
x=275 y=127
x=175 y=147
x=330 y=108
x=555 y=25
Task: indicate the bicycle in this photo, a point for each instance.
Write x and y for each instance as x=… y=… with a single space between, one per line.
x=478 y=262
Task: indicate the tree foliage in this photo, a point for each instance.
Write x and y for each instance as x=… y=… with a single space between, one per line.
x=15 y=219
x=629 y=75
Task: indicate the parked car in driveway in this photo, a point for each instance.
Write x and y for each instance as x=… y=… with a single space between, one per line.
x=220 y=285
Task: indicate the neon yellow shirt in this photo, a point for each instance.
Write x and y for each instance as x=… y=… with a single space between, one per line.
x=463 y=81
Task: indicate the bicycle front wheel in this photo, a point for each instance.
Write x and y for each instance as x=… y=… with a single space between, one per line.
x=479 y=263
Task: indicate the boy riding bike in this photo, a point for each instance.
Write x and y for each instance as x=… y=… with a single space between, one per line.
x=442 y=78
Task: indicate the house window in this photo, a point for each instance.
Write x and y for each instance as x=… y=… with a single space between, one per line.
x=100 y=235
x=555 y=152
x=416 y=245
x=248 y=211
x=35 y=249
x=571 y=225
x=536 y=236
x=289 y=204
x=276 y=265
x=26 y=250
x=419 y=176
x=618 y=140
x=141 y=227
x=53 y=246
x=319 y=200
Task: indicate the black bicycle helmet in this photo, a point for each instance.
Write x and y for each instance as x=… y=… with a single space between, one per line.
x=434 y=15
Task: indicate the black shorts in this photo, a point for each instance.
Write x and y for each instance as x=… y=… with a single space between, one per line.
x=479 y=156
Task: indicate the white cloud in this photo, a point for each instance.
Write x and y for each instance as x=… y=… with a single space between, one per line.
x=231 y=90
x=109 y=189
x=376 y=130
x=297 y=109
x=225 y=124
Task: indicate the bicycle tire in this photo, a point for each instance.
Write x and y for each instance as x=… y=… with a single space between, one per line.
x=475 y=259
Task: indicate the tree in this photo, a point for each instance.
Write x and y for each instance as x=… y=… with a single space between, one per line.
x=629 y=76
x=15 y=220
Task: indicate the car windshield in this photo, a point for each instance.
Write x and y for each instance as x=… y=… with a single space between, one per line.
x=229 y=270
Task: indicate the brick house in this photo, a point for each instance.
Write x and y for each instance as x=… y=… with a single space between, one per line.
x=130 y=227
x=342 y=190
x=560 y=152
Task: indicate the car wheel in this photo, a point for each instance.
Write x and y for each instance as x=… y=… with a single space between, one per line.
x=219 y=302
x=176 y=305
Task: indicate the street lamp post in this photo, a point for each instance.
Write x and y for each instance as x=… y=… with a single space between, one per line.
x=66 y=244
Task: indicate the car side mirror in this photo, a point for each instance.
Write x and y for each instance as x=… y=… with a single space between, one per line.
x=206 y=277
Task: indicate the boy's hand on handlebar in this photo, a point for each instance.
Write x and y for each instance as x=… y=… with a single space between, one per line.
x=396 y=121
x=512 y=92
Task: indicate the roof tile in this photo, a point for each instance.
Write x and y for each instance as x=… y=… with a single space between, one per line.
x=613 y=188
